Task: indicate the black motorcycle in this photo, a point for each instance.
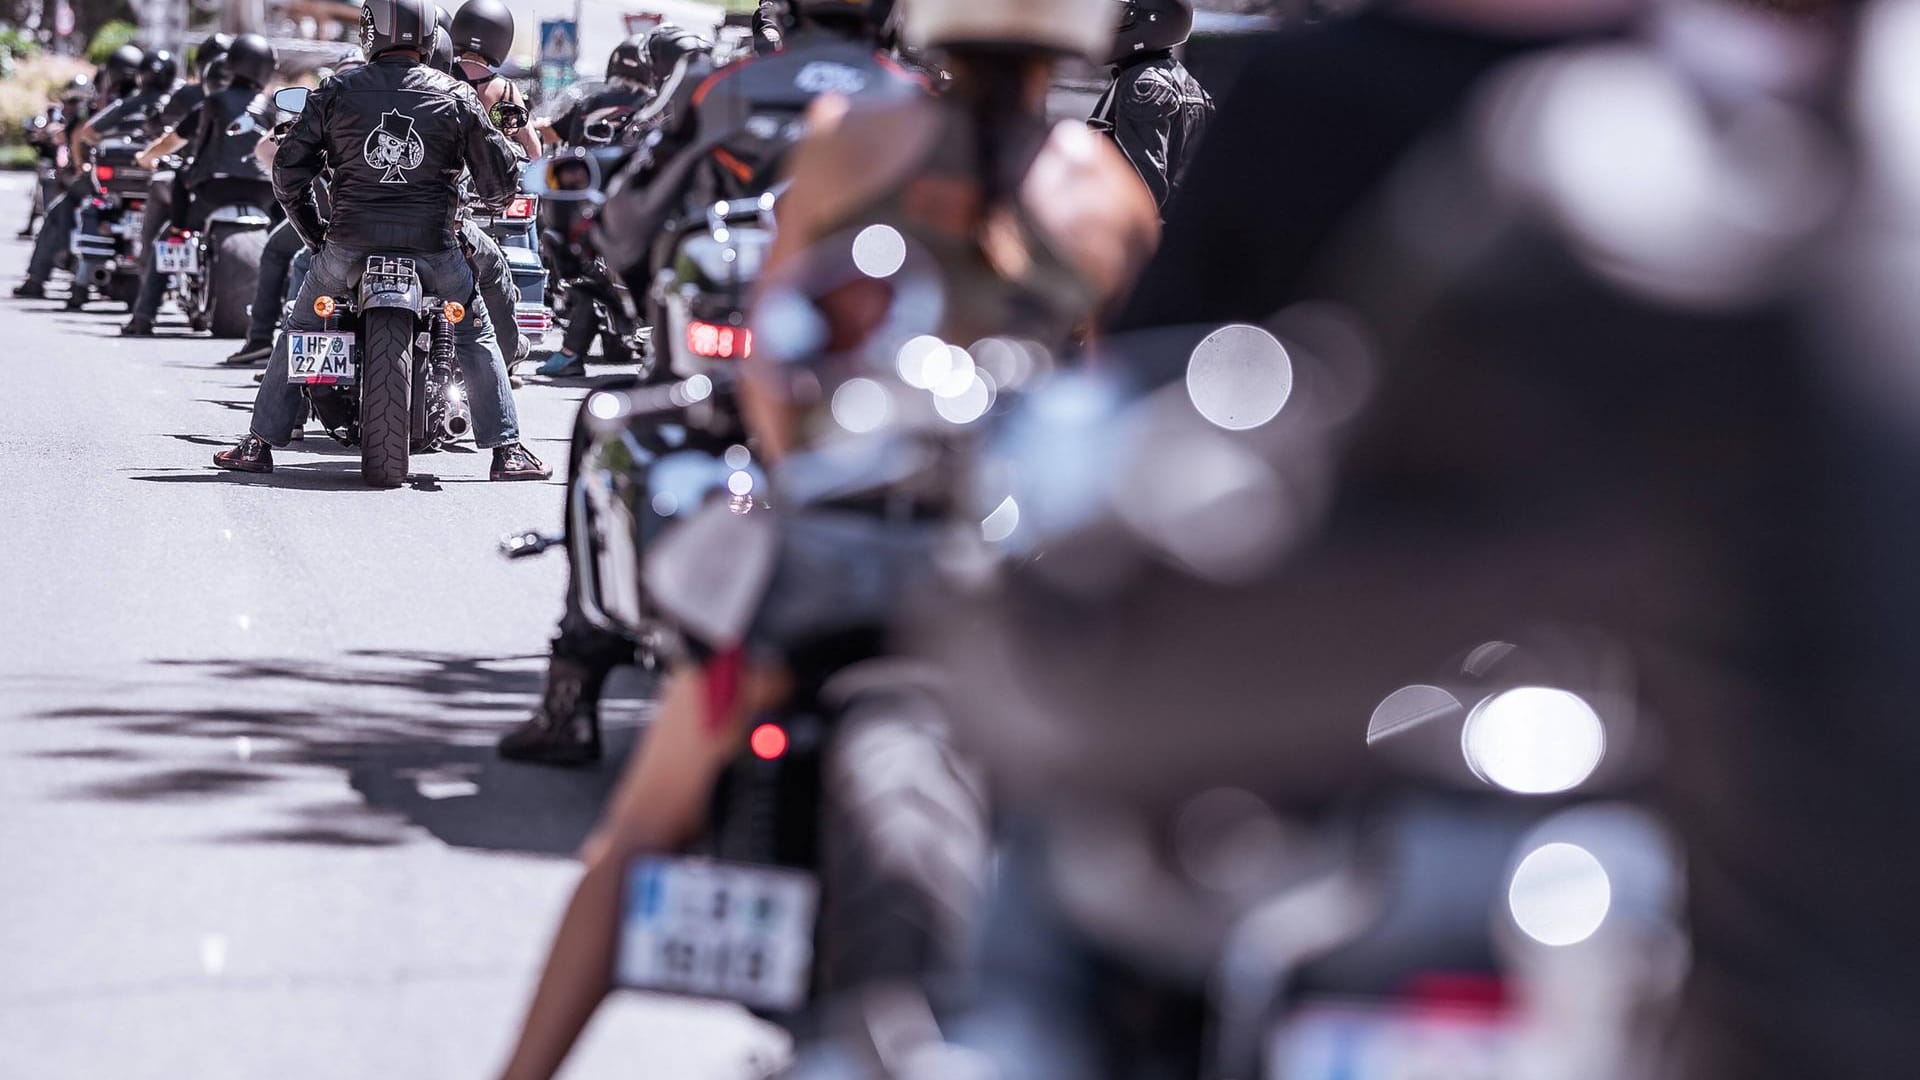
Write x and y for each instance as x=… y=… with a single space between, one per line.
x=107 y=234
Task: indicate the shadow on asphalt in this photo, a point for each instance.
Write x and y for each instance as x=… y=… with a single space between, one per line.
x=422 y=756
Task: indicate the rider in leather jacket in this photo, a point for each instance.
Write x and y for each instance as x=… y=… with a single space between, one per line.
x=117 y=80
x=397 y=137
x=221 y=167
x=1155 y=109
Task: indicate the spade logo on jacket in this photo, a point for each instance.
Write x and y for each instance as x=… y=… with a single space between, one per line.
x=395 y=147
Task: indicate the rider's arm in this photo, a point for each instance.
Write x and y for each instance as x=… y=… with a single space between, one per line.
x=168 y=142
x=301 y=159
x=490 y=161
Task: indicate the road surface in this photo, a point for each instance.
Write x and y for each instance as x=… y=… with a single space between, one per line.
x=251 y=825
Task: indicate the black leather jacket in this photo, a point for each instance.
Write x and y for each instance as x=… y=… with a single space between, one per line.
x=1156 y=111
x=726 y=131
x=131 y=115
x=397 y=135
x=231 y=123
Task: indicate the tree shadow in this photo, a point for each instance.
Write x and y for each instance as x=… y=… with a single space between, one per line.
x=411 y=732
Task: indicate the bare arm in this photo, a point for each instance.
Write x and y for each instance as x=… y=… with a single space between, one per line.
x=658 y=807
x=168 y=142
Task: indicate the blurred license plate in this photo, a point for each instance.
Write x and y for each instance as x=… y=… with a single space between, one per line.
x=1383 y=1043
x=719 y=930
x=133 y=224
x=320 y=359
x=176 y=257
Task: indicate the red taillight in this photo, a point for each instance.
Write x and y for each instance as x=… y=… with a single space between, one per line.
x=521 y=207
x=768 y=742
x=716 y=342
x=104 y=172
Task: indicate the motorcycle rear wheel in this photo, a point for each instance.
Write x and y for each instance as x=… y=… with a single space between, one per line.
x=386 y=397
x=232 y=280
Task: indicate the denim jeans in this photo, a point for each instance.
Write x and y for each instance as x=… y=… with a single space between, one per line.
x=56 y=232
x=270 y=295
x=445 y=274
x=495 y=283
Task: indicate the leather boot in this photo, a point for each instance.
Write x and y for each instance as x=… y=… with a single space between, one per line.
x=565 y=729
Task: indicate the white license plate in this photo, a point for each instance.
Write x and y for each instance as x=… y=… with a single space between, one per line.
x=176 y=257
x=133 y=223
x=720 y=930
x=320 y=359
x=1375 y=1043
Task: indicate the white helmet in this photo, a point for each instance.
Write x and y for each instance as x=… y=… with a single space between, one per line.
x=1082 y=27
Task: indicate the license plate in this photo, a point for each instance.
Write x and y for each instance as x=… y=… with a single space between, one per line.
x=133 y=224
x=176 y=257
x=1372 y=1043
x=320 y=359
x=720 y=930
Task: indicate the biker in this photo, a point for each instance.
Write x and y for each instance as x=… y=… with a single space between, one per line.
x=140 y=111
x=208 y=74
x=221 y=167
x=431 y=129
x=697 y=107
x=633 y=80
x=482 y=37
x=283 y=260
x=980 y=167
x=1154 y=109
x=118 y=78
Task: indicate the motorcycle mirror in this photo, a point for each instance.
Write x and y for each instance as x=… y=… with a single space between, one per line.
x=564 y=178
x=508 y=117
x=293 y=99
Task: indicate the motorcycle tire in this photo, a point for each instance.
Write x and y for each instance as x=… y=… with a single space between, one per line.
x=232 y=280
x=386 y=397
x=906 y=847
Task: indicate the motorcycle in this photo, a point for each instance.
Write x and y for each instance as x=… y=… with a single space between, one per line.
x=48 y=160
x=517 y=231
x=380 y=373
x=106 y=244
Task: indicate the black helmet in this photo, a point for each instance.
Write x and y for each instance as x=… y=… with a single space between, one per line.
x=386 y=25
x=669 y=44
x=440 y=57
x=250 y=60
x=1151 y=26
x=158 y=71
x=484 y=27
x=844 y=11
x=212 y=49
x=629 y=60
x=122 y=69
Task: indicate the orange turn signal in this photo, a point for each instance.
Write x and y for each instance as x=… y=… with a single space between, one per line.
x=455 y=311
x=324 y=306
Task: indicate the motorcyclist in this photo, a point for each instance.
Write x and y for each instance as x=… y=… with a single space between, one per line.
x=284 y=251
x=397 y=137
x=1154 y=109
x=633 y=79
x=630 y=84
x=966 y=179
x=700 y=109
x=117 y=79
x=221 y=167
x=137 y=113
x=208 y=74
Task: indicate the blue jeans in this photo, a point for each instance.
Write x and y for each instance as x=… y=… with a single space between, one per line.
x=336 y=272
x=270 y=294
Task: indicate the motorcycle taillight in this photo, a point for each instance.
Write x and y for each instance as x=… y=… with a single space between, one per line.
x=716 y=342
x=104 y=172
x=522 y=207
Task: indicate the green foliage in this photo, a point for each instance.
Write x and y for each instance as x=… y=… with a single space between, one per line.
x=18 y=157
x=18 y=44
x=110 y=37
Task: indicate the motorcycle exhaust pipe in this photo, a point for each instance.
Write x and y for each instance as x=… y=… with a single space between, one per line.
x=101 y=275
x=455 y=425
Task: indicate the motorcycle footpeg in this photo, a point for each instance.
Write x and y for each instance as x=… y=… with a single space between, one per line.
x=525 y=545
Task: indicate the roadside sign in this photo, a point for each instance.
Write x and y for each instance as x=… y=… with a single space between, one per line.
x=559 y=41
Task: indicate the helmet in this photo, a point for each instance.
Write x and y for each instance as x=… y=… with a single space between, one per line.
x=484 y=27
x=669 y=44
x=1082 y=27
x=1150 y=26
x=386 y=25
x=838 y=10
x=122 y=68
x=440 y=57
x=78 y=88
x=629 y=60
x=158 y=71
x=213 y=48
x=251 y=60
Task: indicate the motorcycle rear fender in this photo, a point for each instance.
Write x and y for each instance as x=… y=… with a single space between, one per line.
x=390 y=282
x=240 y=214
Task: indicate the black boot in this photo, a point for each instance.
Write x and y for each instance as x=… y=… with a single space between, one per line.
x=565 y=729
x=77 y=298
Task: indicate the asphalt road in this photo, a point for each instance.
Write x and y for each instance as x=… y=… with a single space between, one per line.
x=251 y=825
